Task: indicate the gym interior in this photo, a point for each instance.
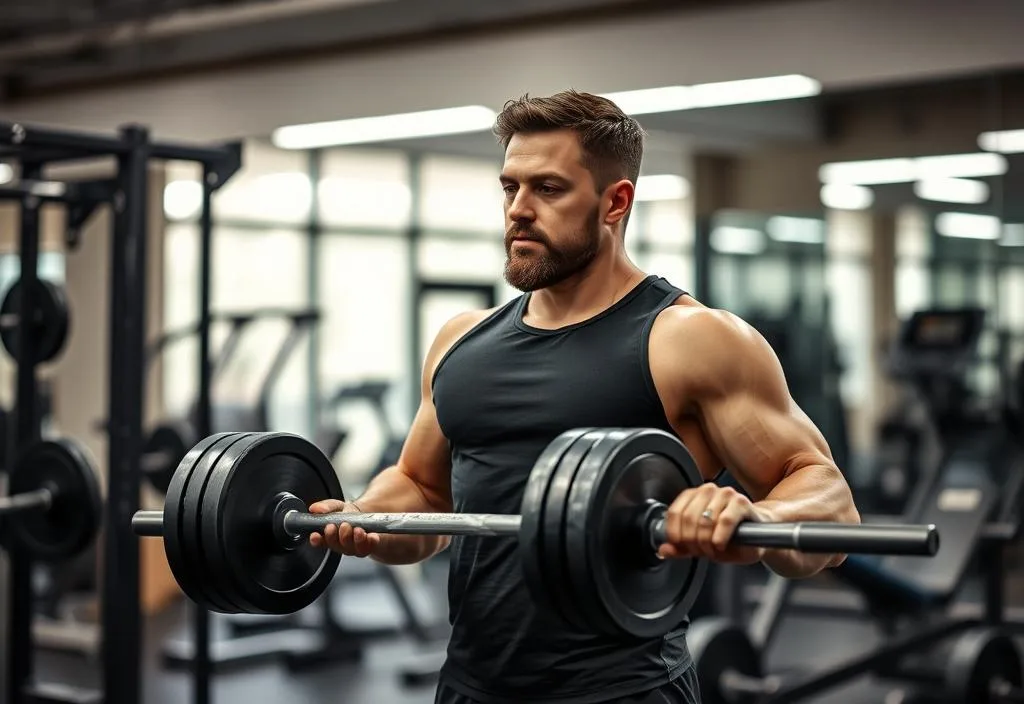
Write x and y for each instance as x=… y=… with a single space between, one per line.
x=253 y=216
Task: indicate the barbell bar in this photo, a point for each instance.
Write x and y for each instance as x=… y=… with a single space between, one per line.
x=592 y=516
x=293 y=524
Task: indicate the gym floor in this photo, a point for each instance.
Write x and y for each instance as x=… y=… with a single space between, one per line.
x=804 y=641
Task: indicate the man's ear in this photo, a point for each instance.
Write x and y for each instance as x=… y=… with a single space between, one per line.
x=619 y=200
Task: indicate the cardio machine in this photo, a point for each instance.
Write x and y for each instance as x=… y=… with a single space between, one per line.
x=974 y=498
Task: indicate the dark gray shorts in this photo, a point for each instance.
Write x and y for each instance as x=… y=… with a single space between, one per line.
x=681 y=690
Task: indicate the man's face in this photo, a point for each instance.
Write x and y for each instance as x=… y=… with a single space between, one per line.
x=552 y=210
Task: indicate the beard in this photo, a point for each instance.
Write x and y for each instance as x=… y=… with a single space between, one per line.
x=536 y=269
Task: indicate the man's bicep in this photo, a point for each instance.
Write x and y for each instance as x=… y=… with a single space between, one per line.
x=426 y=457
x=752 y=420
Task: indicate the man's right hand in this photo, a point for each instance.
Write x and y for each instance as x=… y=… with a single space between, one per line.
x=343 y=538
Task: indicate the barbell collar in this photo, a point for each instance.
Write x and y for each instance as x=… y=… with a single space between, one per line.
x=40 y=499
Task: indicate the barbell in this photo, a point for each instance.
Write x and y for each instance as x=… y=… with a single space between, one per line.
x=235 y=524
x=53 y=508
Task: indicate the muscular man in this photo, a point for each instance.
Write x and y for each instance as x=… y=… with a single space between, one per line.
x=593 y=341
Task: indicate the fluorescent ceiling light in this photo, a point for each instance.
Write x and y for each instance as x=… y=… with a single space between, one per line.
x=968 y=225
x=6 y=173
x=661 y=187
x=799 y=230
x=737 y=240
x=1005 y=141
x=846 y=196
x=1013 y=235
x=361 y=130
x=952 y=190
x=904 y=170
x=706 y=95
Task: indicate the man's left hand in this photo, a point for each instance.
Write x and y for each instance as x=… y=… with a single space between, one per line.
x=701 y=522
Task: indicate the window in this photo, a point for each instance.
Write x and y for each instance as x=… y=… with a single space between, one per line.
x=251 y=269
x=461 y=259
x=272 y=186
x=365 y=293
x=364 y=188
x=461 y=194
x=669 y=223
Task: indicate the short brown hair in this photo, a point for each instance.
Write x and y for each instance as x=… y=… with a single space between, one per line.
x=612 y=142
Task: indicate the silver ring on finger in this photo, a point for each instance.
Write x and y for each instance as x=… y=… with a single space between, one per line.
x=708 y=515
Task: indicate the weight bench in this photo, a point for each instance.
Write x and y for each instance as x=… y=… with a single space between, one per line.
x=975 y=503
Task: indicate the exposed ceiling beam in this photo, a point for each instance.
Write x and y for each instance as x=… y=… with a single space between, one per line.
x=215 y=37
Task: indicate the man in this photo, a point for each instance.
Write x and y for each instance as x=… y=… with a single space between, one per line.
x=593 y=341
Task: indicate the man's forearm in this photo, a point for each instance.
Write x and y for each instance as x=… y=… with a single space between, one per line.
x=394 y=491
x=816 y=493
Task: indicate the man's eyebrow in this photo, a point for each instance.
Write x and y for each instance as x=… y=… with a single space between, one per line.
x=542 y=176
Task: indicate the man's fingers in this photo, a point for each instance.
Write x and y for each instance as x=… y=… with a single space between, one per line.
x=675 y=527
x=327 y=506
x=725 y=527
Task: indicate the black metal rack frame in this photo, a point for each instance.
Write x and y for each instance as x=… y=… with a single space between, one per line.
x=34 y=147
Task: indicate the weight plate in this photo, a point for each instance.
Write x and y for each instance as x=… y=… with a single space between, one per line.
x=209 y=562
x=187 y=574
x=578 y=524
x=554 y=559
x=49 y=322
x=716 y=647
x=981 y=660
x=170 y=441
x=531 y=544
x=273 y=579
x=71 y=522
x=216 y=559
x=642 y=596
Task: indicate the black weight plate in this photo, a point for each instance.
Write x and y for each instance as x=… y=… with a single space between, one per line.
x=980 y=658
x=215 y=557
x=716 y=647
x=171 y=441
x=642 y=596
x=71 y=522
x=186 y=572
x=531 y=544
x=206 y=557
x=554 y=565
x=49 y=323
x=274 y=579
x=577 y=524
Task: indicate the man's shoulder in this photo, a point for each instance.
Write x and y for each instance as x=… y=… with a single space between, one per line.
x=699 y=347
x=693 y=321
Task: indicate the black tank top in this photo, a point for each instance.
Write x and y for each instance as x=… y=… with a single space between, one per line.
x=502 y=393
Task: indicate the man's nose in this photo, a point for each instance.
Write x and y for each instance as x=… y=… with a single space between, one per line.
x=520 y=209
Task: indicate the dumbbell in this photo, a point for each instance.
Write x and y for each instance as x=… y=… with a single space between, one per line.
x=53 y=509
x=235 y=524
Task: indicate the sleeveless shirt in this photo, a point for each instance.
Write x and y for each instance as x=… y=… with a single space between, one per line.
x=502 y=393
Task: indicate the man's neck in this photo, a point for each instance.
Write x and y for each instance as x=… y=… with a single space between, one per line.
x=585 y=294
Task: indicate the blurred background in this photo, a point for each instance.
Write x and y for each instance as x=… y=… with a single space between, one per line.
x=822 y=168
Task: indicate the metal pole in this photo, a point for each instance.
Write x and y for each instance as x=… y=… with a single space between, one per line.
x=26 y=433
x=201 y=666
x=122 y=628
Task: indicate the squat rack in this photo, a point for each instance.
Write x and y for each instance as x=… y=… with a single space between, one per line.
x=127 y=192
